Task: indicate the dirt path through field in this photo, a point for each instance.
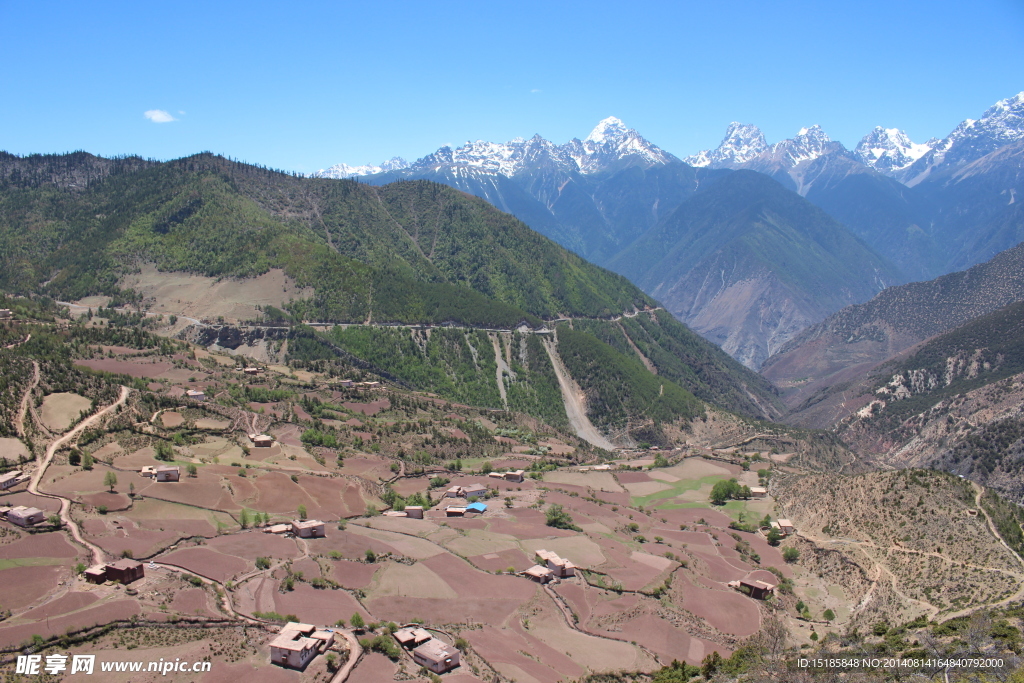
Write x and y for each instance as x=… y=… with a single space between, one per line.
x=65 y=503
x=19 y=424
x=575 y=405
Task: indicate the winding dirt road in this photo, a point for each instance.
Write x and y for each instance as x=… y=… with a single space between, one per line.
x=65 y=503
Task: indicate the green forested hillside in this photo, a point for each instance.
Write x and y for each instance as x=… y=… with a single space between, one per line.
x=409 y=252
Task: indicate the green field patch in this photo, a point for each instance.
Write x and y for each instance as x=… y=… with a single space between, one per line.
x=676 y=489
x=30 y=562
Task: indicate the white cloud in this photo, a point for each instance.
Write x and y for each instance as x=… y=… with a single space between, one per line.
x=159 y=116
x=536 y=90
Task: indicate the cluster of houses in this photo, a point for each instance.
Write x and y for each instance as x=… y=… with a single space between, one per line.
x=122 y=571
x=23 y=516
x=161 y=472
x=554 y=567
x=297 y=644
x=350 y=384
x=302 y=528
x=429 y=652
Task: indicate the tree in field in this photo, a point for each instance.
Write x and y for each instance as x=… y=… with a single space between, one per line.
x=164 y=451
x=774 y=537
x=302 y=512
x=87 y=461
x=54 y=521
x=721 y=492
x=790 y=554
x=110 y=481
x=557 y=517
x=828 y=615
x=243 y=518
x=193 y=471
x=357 y=621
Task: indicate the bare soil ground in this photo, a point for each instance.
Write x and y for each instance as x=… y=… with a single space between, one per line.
x=204 y=297
x=59 y=411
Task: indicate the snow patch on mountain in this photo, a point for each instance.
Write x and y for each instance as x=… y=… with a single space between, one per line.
x=890 y=149
x=742 y=142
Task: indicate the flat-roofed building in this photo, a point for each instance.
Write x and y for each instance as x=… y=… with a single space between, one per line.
x=10 y=479
x=474 y=490
x=25 y=516
x=455 y=511
x=147 y=471
x=251 y=371
x=758 y=492
x=786 y=527
x=262 y=441
x=277 y=529
x=414 y=511
x=167 y=473
x=297 y=644
x=515 y=476
x=436 y=656
x=759 y=590
x=455 y=492
x=125 y=571
x=196 y=394
x=411 y=636
x=538 y=573
x=310 y=528
x=560 y=567
x=6 y=314
x=97 y=574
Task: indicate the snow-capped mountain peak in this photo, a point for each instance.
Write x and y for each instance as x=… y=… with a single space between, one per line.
x=742 y=142
x=890 y=149
x=607 y=130
x=809 y=143
x=339 y=171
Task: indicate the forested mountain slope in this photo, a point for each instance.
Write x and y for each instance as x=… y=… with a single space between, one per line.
x=410 y=252
x=748 y=264
x=849 y=343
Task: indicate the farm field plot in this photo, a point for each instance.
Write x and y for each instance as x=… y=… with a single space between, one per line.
x=59 y=411
x=12 y=449
x=599 y=481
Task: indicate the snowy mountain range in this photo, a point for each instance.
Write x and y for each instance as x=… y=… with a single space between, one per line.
x=609 y=144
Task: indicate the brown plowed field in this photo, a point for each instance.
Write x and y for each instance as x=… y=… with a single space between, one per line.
x=113 y=501
x=62 y=605
x=728 y=611
x=193 y=601
x=500 y=561
x=28 y=500
x=253 y=544
x=39 y=545
x=375 y=668
x=369 y=409
x=245 y=672
x=503 y=650
x=207 y=562
x=309 y=568
x=352 y=574
x=137 y=368
x=314 y=606
x=102 y=614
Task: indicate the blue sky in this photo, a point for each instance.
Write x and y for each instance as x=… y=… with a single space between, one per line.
x=300 y=86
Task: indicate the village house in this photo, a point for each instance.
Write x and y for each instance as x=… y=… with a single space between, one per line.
x=455 y=511
x=251 y=371
x=12 y=478
x=474 y=490
x=515 y=476
x=262 y=440
x=786 y=527
x=477 y=507
x=6 y=313
x=347 y=383
x=411 y=636
x=455 y=492
x=310 y=528
x=559 y=567
x=436 y=656
x=758 y=492
x=147 y=471
x=759 y=590
x=414 y=511
x=25 y=516
x=196 y=394
x=277 y=529
x=538 y=573
x=124 y=571
x=97 y=574
x=167 y=473
x=297 y=644
x=371 y=385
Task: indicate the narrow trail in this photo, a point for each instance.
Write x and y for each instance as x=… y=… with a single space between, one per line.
x=65 y=503
x=17 y=344
x=19 y=424
x=575 y=406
